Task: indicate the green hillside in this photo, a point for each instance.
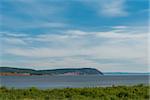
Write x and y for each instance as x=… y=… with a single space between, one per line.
x=81 y=71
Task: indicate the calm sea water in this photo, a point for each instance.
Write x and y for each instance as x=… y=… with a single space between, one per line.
x=72 y=81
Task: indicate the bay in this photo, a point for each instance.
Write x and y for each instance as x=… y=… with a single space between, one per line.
x=45 y=82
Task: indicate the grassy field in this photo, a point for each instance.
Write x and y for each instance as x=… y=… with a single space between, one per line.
x=138 y=92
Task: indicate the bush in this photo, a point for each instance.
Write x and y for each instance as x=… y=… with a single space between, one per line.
x=138 y=92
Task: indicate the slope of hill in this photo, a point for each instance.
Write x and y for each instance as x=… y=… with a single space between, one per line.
x=65 y=71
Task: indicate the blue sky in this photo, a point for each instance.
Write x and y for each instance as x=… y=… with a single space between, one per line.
x=110 y=35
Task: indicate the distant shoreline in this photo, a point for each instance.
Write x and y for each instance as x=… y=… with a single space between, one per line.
x=12 y=71
x=28 y=74
x=9 y=71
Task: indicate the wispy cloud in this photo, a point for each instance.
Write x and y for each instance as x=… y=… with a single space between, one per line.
x=113 y=8
x=13 y=41
x=32 y=15
x=74 y=46
x=120 y=27
x=105 y=34
x=12 y=34
x=109 y=8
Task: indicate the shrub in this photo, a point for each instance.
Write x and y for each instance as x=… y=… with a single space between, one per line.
x=108 y=93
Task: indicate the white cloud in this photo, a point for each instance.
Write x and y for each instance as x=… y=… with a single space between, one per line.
x=113 y=8
x=39 y=52
x=77 y=32
x=12 y=34
x=119 y=27
x=69 y=62
x=119 y=32
x=109 y=8
x=113 y=34
x=113 y=48
x=123 y=44
x=33 y=14
x=14 y=41
x=77 y=41
x=46 y=25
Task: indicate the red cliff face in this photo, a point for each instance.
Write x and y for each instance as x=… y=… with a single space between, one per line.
x=72 y=73
x=13 y=74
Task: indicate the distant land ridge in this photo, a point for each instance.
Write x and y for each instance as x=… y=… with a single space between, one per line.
x=5 y=71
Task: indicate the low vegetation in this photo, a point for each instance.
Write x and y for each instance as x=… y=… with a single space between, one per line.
x=138 y=92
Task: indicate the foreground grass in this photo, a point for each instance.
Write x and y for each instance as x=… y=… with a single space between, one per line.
x=138 y=92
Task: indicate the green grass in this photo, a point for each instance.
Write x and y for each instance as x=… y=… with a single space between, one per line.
x=138 y=92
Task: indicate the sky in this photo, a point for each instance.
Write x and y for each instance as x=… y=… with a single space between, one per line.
x=109 y=35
